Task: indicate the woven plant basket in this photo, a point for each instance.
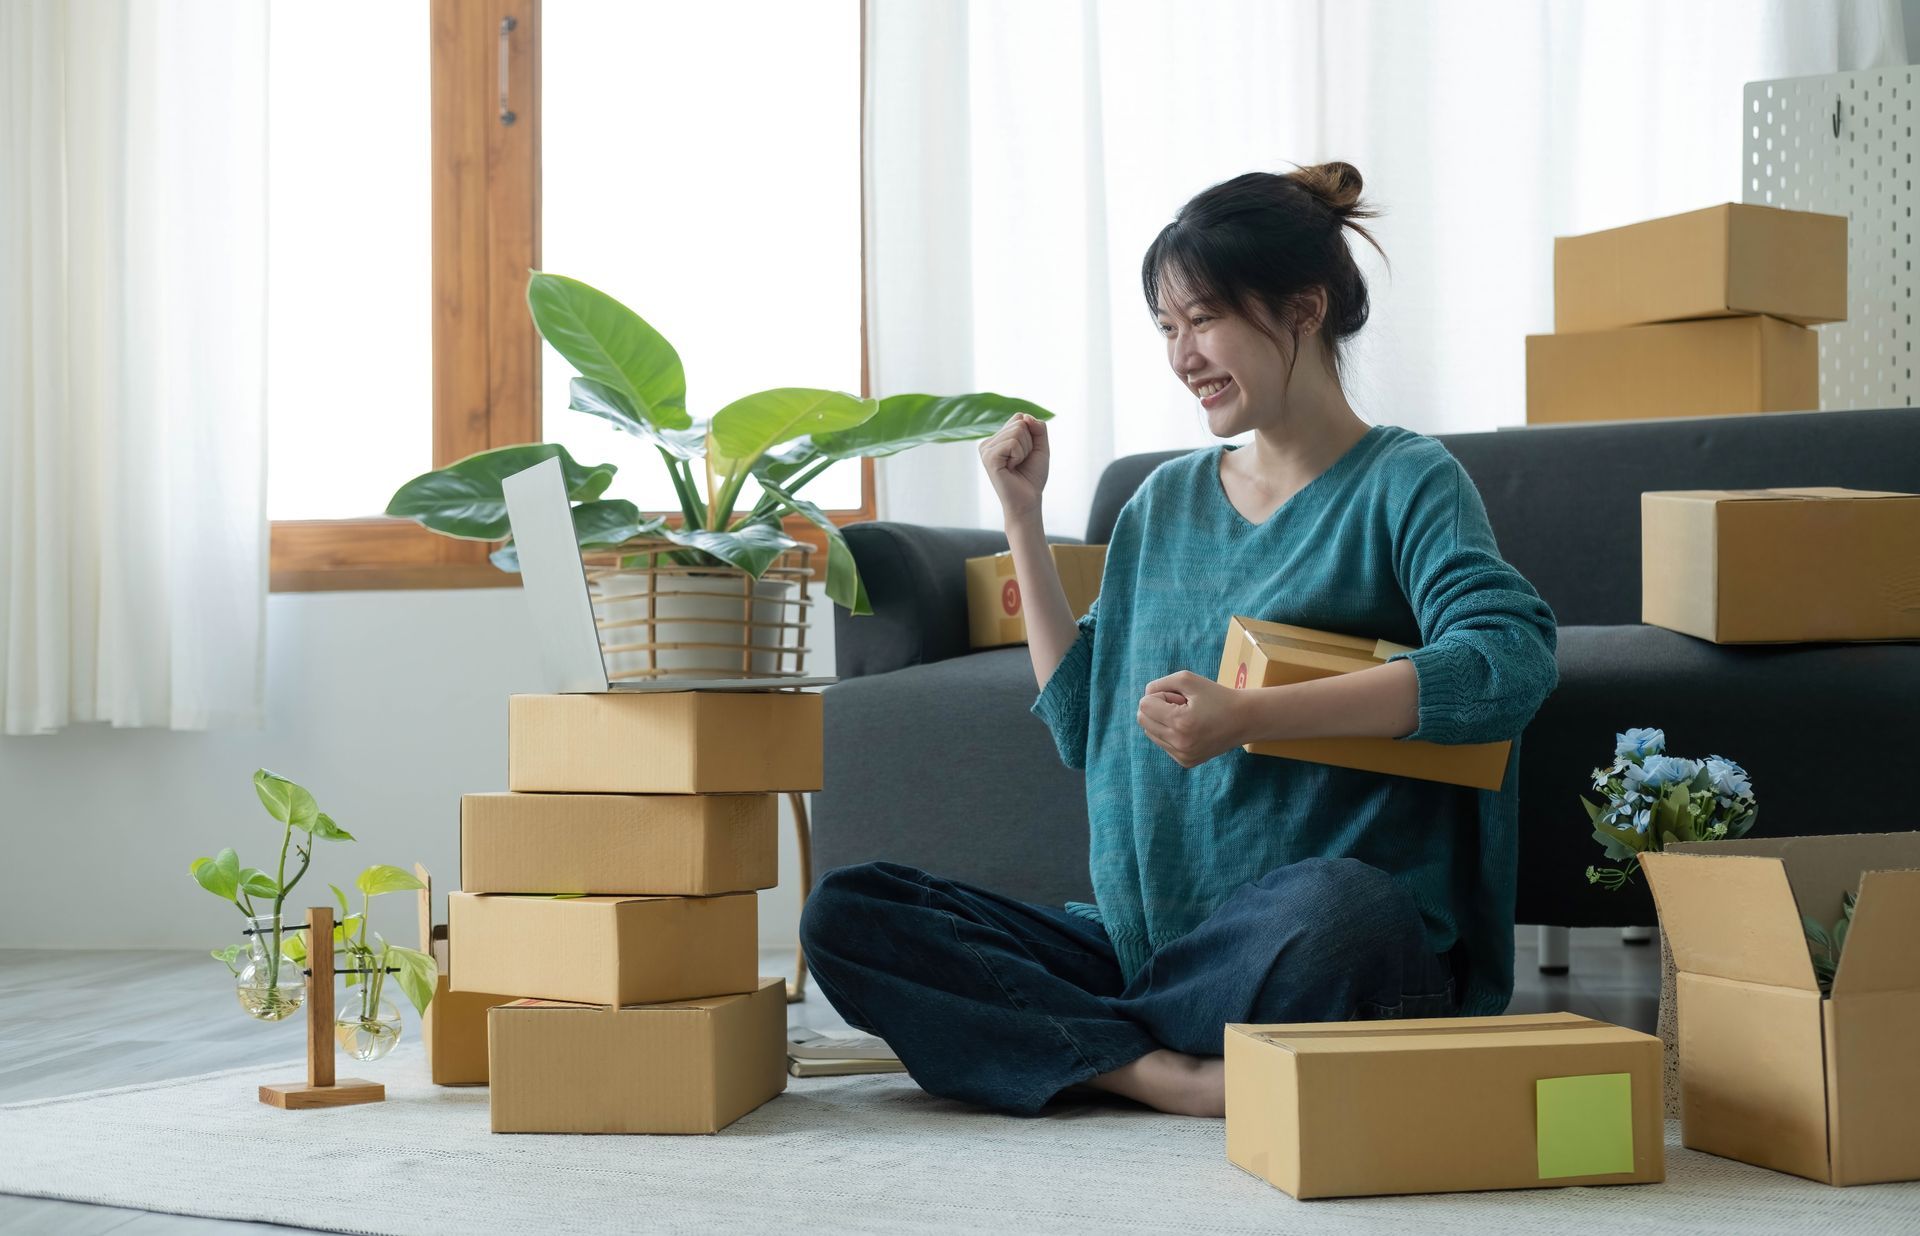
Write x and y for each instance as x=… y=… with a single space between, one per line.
x=659 y=620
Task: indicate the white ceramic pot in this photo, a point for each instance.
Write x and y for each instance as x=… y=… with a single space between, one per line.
x=704 y=609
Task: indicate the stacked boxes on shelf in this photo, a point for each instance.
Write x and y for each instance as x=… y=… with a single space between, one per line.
x=1690 y=315
x=613 y=888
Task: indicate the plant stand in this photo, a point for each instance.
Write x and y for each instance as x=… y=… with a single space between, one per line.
x=321 y=1089
x=802 y=834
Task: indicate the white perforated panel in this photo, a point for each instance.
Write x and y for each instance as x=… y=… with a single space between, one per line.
x=1792 y=157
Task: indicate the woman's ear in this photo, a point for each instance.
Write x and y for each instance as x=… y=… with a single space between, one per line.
x=1311 y=310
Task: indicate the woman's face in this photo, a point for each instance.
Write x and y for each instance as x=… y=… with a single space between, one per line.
x=1238 y=373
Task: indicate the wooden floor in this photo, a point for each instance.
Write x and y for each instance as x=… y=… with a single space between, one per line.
x=74 y=1021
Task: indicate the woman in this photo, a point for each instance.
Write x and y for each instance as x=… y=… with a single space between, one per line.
x=1229 y=887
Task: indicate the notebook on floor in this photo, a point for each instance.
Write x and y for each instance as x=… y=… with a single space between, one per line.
x=815 y=1053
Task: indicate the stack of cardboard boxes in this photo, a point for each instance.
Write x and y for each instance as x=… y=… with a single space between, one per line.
x=612 y=890
x=1690 y=315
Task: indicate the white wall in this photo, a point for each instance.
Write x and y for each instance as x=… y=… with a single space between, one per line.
x=387 y=705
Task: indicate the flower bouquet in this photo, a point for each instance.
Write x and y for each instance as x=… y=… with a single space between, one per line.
x=1653 y=800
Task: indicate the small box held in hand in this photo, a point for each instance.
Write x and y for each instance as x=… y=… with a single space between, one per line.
x=1271 y=654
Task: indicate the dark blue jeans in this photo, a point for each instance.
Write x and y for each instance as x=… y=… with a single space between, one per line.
x=1003 y=1003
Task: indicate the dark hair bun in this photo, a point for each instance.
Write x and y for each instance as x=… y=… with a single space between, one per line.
x=1336 y=184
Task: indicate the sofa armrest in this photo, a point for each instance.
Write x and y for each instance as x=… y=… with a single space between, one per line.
x=916 y=579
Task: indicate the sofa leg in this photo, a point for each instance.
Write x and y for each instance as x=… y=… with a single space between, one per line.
x=1636 y=935
x=1553 y=949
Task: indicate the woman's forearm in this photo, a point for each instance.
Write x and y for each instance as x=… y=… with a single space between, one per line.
x=1382 y=702
x=1051 y=627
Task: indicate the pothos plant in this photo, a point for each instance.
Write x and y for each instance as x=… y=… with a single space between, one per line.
x=261 y=899
x=369 y=958
x=632 y=378
x=258 y=895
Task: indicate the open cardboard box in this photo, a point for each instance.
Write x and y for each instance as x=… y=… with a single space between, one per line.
x=1734 y=258
x=1771 y=1072
x=665 y=742
x=669 y=844
x=454 y=1027
x=690 y=1067
x=605 y=950
x=1270 y=654
x=1740 y=566
x=996 y=613
x=1444 y=1104
x=1711 y=367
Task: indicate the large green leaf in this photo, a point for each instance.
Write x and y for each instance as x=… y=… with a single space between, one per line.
x=752 y=548
x=907 y=421
x=610 y=343
x=257 y=883
x=753 y=425
x=465 y=499
x=419 y=975
x=285 y=801
x=844 y=585
x=607 y=403
x=382 y=878
x=777 y=467
x=219 y=875
x=606 y=522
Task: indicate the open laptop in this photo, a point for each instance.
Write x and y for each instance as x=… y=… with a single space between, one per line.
x=555 y=581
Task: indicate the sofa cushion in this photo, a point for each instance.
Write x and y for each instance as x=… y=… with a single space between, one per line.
x=941 y=766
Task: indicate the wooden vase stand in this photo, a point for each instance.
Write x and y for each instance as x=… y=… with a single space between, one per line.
x=321 y=1089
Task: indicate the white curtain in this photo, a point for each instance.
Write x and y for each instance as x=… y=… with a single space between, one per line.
x=133 y=534
x=1021 y=157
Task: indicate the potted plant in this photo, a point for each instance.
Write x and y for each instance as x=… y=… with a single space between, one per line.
x=268 y=982
x=632 y=378
x=269 y=968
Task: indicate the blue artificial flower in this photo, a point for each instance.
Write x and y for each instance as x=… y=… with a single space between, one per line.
x=1728 y=777
x=1661 y=771
x=1638 y=744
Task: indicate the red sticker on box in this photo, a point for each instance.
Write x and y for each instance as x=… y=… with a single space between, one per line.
x=1010 y=597
x=1240 y=675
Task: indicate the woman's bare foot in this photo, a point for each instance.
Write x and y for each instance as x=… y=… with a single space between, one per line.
x=1171 y=1081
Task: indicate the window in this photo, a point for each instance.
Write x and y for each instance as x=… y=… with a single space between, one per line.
x=749 y=262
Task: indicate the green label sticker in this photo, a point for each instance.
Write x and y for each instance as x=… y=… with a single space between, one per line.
x=1584 y=1124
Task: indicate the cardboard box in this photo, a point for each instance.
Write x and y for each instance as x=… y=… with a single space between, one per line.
x=996 y=614
x=691 y=1067
x=604 y=950
x=680 y=844
x=665 y=742
x=1444 y=1104
x=1771 y=1072
x=1771 y=565
x=1724 y=260
x=454 y=1027
x=1706 y=368
x=1271 y=654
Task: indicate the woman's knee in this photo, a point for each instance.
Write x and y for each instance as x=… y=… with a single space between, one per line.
x=845 y=900
x=1342 y=908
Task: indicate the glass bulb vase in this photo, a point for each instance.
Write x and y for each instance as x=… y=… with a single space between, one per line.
x=270 y=985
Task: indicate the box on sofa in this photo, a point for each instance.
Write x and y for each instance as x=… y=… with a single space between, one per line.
x=996 y=611
x=1723 y=260
x=1740 y=566
x=1705 y=368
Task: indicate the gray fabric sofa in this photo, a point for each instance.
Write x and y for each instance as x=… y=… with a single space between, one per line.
x=933 y=759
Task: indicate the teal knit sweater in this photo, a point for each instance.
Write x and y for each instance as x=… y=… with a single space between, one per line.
x=1391 y=542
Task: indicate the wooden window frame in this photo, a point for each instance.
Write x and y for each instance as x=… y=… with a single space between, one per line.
x=486 y=352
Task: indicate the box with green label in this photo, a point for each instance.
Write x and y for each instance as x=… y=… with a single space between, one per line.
x=1444 y=1105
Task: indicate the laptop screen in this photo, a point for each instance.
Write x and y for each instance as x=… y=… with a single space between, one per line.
x=554 y=580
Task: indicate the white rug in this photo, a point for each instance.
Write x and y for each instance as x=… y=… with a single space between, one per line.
x=859 y=1154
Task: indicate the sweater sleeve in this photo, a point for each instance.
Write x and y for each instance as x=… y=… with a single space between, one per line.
x=1486 y=660
x=1063 y=701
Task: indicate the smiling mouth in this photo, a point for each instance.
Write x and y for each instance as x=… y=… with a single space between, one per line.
x=1212 y=392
